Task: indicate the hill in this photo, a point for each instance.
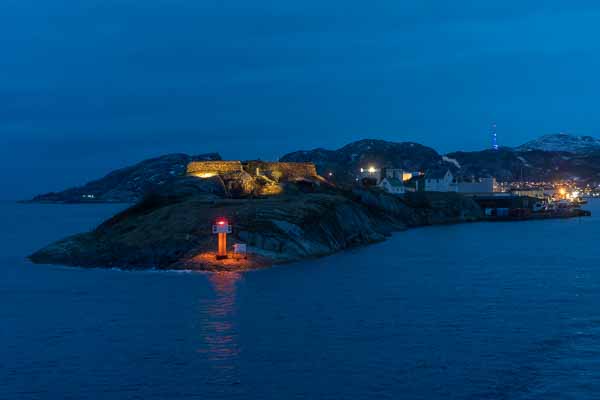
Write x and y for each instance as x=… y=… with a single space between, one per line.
x=562 y=142
x=345 y=162
x=505 y=164
x=128 y=184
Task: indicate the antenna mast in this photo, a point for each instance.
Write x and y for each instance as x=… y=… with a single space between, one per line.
x=494 y=137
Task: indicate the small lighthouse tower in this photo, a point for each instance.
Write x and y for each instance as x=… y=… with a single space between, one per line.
x=494 y=137
x=221 y=228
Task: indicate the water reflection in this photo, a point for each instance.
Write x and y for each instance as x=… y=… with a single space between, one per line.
x=219 y=334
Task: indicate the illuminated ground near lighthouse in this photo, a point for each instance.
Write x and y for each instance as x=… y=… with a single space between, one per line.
x=208 y=261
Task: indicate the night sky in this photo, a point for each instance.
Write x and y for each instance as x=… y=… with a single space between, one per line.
x=90 y=85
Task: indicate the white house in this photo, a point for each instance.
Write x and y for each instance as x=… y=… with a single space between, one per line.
x=439 y=181
x=392 y=185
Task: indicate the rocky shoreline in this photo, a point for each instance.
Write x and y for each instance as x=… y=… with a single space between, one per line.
x=173 y=231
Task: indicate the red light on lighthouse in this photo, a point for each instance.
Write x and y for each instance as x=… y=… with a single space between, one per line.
x=221 y=221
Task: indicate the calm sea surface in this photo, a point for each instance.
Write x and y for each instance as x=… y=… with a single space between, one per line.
x=476 y=311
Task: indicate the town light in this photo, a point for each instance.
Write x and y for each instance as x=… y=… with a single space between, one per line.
x=372 y=170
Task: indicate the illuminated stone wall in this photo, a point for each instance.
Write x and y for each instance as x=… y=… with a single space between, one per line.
x=199 y=168
x=278 y=170
x=286 y=170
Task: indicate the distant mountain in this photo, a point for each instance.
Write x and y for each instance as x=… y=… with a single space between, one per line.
x=130 y=183
x=578 y=157
x=538 y=165
x=345 y=162
x=562 y=142
x=504 y=164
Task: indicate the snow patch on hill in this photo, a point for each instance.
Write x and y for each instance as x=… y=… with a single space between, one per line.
x=562 y=142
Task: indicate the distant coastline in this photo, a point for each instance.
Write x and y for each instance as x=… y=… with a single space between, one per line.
x=549 y=158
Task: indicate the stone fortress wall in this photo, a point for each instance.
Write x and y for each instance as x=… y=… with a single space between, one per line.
x=285 y=170
x=281 y=170
x=211 y=168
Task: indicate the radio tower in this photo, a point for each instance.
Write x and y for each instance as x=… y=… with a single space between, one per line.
x=494 y=137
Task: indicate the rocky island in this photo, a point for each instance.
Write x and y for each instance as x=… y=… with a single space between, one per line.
x=282 y=211
x=286 y=211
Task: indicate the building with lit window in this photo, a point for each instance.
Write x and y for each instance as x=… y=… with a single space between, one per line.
x=370 y=174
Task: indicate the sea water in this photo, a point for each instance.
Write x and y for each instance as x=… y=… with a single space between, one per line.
x=471 y=311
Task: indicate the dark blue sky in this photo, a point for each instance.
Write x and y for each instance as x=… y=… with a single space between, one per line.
x=90 y=85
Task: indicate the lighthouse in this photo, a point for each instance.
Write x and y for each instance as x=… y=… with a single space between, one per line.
x=221 y=228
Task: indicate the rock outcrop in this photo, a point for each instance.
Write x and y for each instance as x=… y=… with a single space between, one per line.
x=167 y=232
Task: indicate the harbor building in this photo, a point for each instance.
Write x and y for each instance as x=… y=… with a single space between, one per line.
x=397 y=173
x=536 y=192
x=439 y=180
x=369 y=175
x=415 y=184
x=474 y=185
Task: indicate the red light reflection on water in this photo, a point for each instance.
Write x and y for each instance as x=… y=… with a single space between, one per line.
x=224 y=282
x=219 y=333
